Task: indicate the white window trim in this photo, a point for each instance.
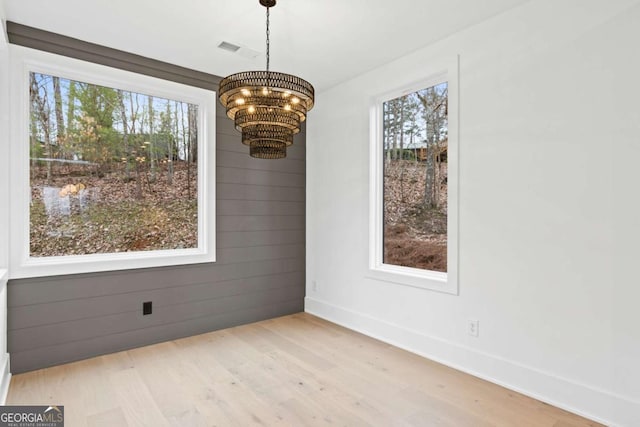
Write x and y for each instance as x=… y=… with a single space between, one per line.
x=25 y=60
x=415 y=277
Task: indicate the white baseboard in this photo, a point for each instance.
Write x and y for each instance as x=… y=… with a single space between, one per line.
x=6 y=378
x=593 y=403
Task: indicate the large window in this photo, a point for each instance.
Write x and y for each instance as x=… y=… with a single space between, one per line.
x=414 y=184
x=111 y=169
x=415 y=143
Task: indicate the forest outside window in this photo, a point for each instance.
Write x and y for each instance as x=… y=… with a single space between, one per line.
x=112 y=166
x=414 y=185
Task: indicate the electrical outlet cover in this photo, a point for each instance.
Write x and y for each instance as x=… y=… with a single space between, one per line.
x=473 y=327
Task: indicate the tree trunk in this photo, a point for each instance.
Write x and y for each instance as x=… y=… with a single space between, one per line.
x=169 y=147
x=401 y=153
x=429 y=183
x=71 y=126
x=43 y=114
x=33 y=139
x=186 y=148
x=125 y=135
x=434 y=104
x=60 y=132
x=152 y=154
x=193 y=132
x=134 y=115
x=396 y=124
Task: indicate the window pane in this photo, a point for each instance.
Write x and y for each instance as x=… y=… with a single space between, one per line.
x=110 y=170
x=415 y=179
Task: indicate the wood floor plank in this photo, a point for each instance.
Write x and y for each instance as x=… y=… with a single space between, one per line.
x=296 y=370
x=137 y=404
x=113 y=417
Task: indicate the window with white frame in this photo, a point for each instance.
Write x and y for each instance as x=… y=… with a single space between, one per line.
x=110 y=169
x=414 y=152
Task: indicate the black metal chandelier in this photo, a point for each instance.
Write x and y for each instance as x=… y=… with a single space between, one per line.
x=266 y=106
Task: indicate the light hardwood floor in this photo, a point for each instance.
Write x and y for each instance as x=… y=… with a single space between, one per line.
x=296 y=370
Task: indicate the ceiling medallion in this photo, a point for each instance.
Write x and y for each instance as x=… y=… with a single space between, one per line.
x=266 y=106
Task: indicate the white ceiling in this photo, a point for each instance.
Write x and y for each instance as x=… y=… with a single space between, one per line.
x=323 y=41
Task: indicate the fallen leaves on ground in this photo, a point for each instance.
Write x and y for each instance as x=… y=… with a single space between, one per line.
x=116 y=220
x=414 y=235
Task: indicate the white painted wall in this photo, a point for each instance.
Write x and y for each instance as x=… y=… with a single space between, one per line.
x=4 y=141
x=5 y=376
x=549 y=208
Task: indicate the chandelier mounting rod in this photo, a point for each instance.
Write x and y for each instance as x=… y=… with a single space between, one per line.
x=268 y=4
x=268 y=39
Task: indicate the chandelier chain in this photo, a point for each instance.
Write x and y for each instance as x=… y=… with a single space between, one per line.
x=268 y=33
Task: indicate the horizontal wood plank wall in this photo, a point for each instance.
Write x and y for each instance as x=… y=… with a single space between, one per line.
x=260 y=250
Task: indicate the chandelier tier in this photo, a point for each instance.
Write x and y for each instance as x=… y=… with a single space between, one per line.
x=267 y=107
x=268 y=149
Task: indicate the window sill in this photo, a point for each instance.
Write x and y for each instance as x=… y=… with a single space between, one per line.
x=414 y=277
x=94 y=263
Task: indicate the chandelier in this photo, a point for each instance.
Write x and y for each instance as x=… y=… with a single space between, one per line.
x=266 y=106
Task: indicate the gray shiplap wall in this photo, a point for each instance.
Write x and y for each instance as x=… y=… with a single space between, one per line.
x=260 y=249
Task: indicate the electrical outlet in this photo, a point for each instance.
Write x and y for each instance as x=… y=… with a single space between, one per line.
x=314 y=286
x=147 y=308
x=473 y=328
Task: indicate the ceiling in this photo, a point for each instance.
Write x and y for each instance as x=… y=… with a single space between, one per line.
x=323 y=41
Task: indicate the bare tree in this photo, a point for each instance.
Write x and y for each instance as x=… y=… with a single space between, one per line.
x=134 y=108
x=152 y=150
x=125 y=135
x=193 y=142
x=192 y=111
x=60 y=132
x=186 y=148
x=434 y=104
x=166 y=128
x=71 y=118
x=43 y=113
